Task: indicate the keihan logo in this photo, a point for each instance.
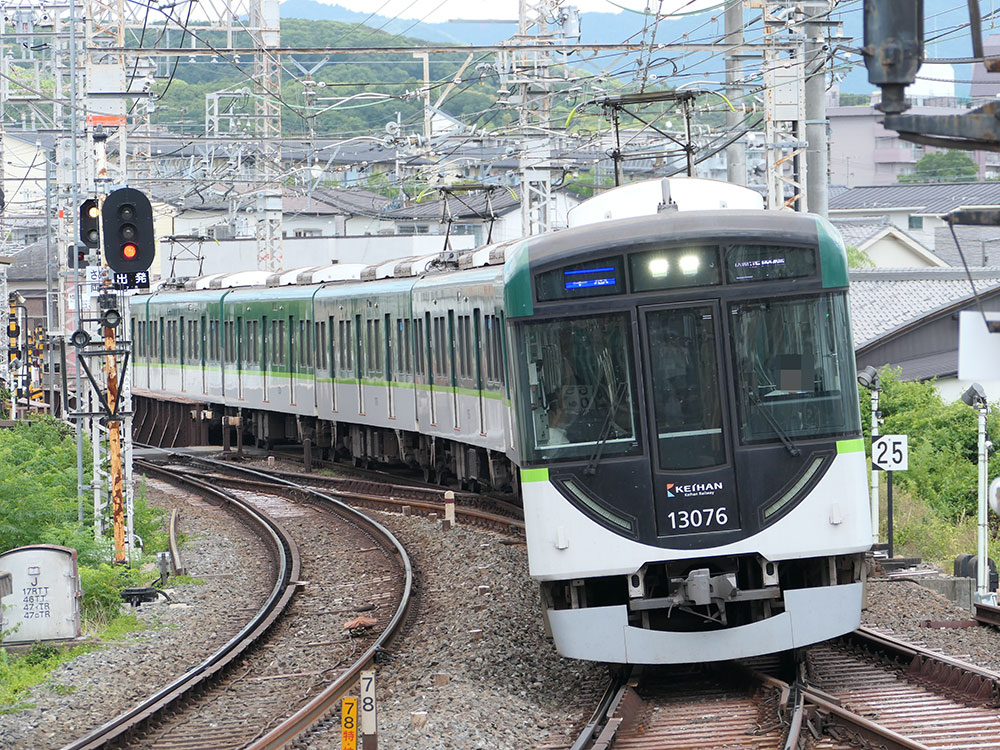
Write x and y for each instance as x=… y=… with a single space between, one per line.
x=699 y=489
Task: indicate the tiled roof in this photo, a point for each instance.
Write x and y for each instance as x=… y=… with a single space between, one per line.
x=856 y=232
x=883 y=301
x=464 y=205
x=937 y=198
x=980 y=245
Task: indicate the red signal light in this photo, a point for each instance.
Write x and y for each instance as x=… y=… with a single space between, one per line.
x=129 y=251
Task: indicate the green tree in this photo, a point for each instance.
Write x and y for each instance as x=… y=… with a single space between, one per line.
x=858 y=258
x=943 y=166
x=943 y=443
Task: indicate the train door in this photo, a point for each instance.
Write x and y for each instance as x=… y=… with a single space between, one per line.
x=291 y=359
x=431 y=362
x=181 y=359
x=386 y=343
x=450 y=352
x=161 y=347
x=263 y=356
x=358 y=364
x=240 y=354
x=332 y=351
x=477 y=353
x=693 y=477
x=204 y=333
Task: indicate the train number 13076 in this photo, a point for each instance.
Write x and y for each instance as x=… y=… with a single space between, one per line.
x=697 y=519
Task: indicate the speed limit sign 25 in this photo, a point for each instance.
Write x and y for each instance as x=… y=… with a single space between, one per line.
x=889 y=452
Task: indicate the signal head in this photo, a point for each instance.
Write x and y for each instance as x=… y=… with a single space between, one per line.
x=128 y=231
x=90 y=229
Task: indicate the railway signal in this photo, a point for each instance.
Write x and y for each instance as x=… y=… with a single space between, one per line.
x=128 y=231
x=90 y=224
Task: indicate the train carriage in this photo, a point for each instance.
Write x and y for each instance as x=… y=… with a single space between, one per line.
x=672 y=395
x=689 y=434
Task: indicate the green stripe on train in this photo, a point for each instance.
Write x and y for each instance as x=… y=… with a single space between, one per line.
x=534 y=475
x=857 y=445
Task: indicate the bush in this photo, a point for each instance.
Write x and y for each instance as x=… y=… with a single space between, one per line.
x=102 y=587
x=942 y=439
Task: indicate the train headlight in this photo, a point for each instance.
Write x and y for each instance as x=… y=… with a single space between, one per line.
x=659 y=267
x=689 y=264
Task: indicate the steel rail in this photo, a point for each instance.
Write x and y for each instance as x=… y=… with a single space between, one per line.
x=883 y=737
x=987 y=614
x=286 y=555
x=314 y=711
x=972 y=683
x=433 y=506
x=176 y=568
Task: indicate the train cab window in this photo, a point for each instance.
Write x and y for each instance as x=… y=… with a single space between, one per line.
x=793 y=360
x=684 y=387
x=577 y=391
x=767 y=262
x=674 y=267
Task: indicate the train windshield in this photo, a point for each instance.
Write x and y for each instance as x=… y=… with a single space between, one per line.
x=794 y=360
x=577 y=390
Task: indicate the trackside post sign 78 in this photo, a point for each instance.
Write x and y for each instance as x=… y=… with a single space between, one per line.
x=349 y=724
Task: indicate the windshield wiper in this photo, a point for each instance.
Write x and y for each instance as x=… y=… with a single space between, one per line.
x=778 y=429
x=609 y=421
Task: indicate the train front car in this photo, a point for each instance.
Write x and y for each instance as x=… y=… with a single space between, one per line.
x=689 y=436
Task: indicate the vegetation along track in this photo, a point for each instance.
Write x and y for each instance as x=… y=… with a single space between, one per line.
x=290 y=664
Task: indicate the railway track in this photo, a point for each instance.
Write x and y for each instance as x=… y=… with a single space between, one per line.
x=863 y=690
x=365 y=493
x=211 y=705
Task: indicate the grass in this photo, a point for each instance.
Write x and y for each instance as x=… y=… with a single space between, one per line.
x=20 y=672
x=920 y=532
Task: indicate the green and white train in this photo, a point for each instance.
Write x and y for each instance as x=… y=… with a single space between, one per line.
x=672 y=395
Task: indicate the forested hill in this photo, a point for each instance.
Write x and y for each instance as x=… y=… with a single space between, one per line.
x=383 y=84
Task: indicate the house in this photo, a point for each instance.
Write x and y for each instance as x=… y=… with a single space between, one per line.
x=888 y=246
x=908 y=318
x=917 y=209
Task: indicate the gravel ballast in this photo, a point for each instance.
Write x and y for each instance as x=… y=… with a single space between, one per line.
x=471 y=670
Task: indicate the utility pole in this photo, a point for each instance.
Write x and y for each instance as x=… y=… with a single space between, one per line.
x=736 y=152
x=266 y=33
x=529 y=72
x=786 y=172
x=817 y=153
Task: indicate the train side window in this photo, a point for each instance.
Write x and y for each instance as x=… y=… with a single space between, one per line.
x=387 y=343
x=418 y=346
x=463 y=339
x=407 y=351
x=440 y=347
x=213 y=339
x=265 y=344
x=305 y=343
x=375 y=363
x=358 y=348
x=369 y=345
x=400 y=348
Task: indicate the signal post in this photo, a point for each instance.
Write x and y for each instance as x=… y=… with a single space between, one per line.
x=126 y=222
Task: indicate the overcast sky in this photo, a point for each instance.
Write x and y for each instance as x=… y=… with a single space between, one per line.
x=446 y=10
